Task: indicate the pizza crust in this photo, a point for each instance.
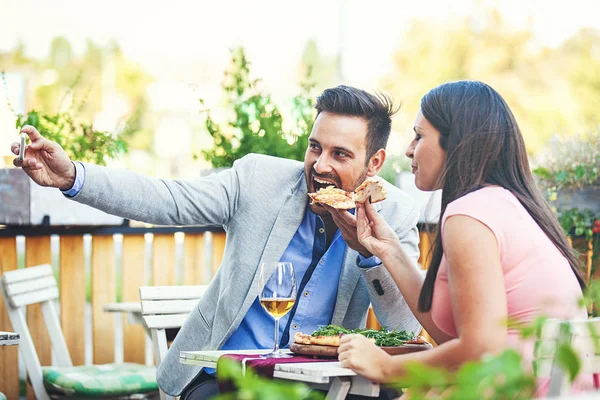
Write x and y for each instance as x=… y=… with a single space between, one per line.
x=326 y=340
x=301 y=338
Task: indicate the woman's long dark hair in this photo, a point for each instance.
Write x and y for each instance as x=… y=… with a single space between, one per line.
x=484 y=146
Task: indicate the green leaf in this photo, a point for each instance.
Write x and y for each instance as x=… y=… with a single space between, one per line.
x=579 y=172
x=542 y=172
x=568 y=360
x=561 y=176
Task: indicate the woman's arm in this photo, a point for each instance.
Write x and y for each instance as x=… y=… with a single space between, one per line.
x=380 y=239
x=478 y=300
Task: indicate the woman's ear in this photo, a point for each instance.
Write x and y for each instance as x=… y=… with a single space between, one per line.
x=376 y=162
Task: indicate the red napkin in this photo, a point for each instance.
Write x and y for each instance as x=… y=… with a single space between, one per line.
x=262 y=366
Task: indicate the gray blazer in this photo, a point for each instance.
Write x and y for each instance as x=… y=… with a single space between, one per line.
x=260 y=202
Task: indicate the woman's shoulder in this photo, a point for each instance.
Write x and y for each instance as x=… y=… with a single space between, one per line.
x=493 y=205
x=486 y=197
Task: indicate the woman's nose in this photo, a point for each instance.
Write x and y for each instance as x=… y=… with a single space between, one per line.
x=410 y=150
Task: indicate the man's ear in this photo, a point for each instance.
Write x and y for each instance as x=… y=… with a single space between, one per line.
x=376 y=162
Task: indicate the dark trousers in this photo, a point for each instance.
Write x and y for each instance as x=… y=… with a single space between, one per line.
x=205 y=386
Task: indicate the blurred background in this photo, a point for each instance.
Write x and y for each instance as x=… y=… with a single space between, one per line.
x=168 y=80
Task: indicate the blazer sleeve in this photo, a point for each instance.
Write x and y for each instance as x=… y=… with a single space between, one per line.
x=211 y=200
x=389 y=305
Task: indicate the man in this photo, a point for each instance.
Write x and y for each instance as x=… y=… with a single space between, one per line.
x=262 y=204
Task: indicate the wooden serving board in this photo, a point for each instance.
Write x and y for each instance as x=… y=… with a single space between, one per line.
x=331 y=351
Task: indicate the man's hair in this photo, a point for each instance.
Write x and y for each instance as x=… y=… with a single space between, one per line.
x=377 y=110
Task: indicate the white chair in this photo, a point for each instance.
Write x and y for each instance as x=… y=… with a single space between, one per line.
x=583 y=336
x=35 y=285
x=167 y=307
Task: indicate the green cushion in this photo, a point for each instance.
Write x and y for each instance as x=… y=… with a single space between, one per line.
x=2 y=396
x=101 y=380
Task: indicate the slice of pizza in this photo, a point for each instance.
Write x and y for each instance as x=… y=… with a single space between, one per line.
x=333 y=197
x=373 y=188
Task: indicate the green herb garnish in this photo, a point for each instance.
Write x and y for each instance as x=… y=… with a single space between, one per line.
x=383 y=336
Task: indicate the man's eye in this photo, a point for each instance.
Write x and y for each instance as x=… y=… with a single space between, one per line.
x=340 y=154
x=417 y=137
x=313 y=146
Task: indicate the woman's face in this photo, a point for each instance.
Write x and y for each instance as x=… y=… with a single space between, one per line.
x=428 y=157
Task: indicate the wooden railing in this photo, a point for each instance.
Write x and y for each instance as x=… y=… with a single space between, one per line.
x=96 y=266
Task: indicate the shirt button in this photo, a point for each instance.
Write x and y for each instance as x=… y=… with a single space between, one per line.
x=306 y=294
x=321 y=230
x=295 y=326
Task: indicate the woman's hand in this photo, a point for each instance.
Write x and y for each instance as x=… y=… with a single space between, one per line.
x=362 y=356
x=46 y=163
x=374 y=233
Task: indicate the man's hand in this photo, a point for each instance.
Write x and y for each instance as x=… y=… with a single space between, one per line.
x=346 y=222
x=45 y=161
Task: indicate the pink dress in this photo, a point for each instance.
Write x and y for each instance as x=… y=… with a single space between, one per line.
x=538 y=279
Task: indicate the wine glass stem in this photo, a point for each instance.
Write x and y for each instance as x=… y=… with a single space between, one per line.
x=276 y=348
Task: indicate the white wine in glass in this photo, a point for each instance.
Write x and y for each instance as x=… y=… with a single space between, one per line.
x=277 y=295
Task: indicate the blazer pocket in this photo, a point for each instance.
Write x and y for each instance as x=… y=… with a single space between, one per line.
x=203 y=319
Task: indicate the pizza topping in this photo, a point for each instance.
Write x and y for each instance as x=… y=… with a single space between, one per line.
x=382 y=337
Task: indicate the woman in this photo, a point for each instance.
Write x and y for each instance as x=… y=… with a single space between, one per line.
x=500 y=253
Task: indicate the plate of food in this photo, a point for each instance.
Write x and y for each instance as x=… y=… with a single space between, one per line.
x=324 y=342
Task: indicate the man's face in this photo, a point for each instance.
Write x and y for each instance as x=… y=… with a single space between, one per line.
x=336 y=154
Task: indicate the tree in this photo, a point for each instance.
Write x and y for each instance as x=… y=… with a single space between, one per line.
x=549 y=90
x=256 y=124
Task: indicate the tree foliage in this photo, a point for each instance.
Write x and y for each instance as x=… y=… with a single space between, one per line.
x=256 y=124
x=550 y=90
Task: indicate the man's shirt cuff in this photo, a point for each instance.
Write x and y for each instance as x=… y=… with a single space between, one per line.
x=79 y=180
x=364 y=262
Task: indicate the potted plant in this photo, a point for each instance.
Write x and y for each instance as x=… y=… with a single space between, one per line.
x=28 y=204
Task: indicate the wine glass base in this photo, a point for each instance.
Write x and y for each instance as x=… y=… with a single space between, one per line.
x=276 y=354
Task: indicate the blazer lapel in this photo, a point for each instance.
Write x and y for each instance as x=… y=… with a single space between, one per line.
x=285 y=226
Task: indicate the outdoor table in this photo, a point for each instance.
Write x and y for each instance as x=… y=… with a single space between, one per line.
x=9 y=338
x=328 y=376
x=133 y=310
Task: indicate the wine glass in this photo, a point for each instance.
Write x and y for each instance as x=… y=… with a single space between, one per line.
x=277 y=295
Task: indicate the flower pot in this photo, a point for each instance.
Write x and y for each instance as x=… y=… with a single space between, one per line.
x=585 y=198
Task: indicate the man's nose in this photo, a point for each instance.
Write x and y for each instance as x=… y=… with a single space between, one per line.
x=323 y=165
